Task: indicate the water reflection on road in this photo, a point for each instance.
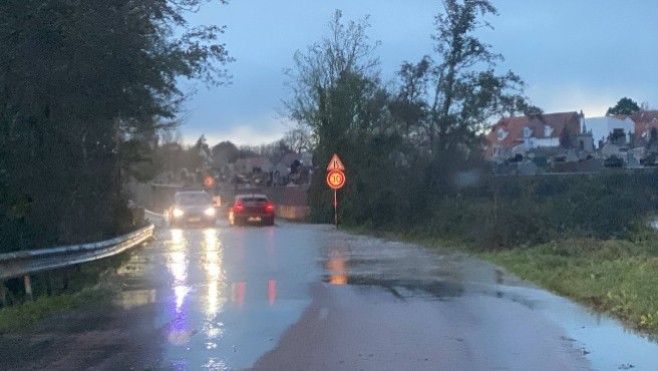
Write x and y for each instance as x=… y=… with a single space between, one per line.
x=412 y=273
x=336 y=267
x=227 y=296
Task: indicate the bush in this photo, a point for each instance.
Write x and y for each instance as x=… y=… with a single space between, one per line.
x=503 y=211
x=518 y=210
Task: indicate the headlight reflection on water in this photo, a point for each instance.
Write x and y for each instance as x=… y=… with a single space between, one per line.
x=195 y=260
x=177 y=264
x=212 y=261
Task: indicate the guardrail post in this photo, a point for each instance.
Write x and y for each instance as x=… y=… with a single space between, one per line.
x=49 y=283
x=3 y=294
x=28 y=286
x=65 y=279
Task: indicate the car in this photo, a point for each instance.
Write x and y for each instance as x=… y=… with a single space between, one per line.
x=192 y=208
x=251 y=208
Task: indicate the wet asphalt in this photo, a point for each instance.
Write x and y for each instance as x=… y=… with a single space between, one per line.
x=308 y=297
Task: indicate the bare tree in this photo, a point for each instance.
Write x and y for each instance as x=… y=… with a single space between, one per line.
x=466 y=91
x=345 y=51
x=298 y=140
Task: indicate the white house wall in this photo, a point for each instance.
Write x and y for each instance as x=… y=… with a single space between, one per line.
x=601 y=127
x=546 y=142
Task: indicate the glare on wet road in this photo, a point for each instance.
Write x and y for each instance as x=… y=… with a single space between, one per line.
x=225 y=297
x=229 y=293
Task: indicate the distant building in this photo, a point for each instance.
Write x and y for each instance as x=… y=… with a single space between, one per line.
x=644 y=122
x=512 y=136
x=253 y=165
x=603 y=127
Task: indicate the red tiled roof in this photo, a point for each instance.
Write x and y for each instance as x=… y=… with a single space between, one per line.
x=514 y=127
x=644 y=122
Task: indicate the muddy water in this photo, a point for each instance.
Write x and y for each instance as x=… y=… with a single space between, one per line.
x=410 y=272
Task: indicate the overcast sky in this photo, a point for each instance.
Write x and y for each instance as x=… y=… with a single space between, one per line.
x=573 y=54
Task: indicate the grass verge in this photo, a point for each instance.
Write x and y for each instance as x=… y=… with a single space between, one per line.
x=614 y=276
x=30 y=313
x=88 y=284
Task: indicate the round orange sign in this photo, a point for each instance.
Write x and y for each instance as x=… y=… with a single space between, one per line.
x=336 y=179
x=209 y=181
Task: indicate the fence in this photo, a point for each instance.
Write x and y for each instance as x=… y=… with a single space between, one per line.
x=25 y=263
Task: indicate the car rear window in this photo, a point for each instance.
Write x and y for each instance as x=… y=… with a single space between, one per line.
x=250 y=200
x=192 y=198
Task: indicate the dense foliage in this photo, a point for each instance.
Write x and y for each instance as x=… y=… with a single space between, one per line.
x=625 y=106
x=506 y=211
x=84 y=88
x=401 y=147
x=414 y=153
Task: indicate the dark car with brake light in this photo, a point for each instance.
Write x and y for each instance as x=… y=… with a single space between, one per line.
x=251 y=208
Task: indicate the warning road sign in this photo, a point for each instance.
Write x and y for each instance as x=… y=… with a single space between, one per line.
x=335 y=164
x=336 y=179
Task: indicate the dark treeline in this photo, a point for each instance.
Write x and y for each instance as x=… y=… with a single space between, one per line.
x=85 y=88
x=414 y=152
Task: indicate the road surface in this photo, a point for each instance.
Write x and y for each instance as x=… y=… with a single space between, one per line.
x=307 y=297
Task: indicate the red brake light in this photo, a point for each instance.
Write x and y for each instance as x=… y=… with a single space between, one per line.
x=238 y=207
x=269 y=207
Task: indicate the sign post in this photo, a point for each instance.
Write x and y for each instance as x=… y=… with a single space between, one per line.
x=335 y=180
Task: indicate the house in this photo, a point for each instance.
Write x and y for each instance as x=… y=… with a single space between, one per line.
x=287 y=161
x=514 y=136
x=604 y=127
x=253 y=165
x=644 y=122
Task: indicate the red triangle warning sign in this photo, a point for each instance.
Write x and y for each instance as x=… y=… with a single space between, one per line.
x=335 y=163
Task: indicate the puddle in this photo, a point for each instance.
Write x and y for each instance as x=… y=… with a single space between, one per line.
x=411 y=271
x=135 y=298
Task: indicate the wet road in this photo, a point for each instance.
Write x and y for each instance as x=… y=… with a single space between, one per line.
x=228 y=293
x=305 y=297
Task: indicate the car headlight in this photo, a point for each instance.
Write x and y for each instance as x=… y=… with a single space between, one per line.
x=178 y=213
x=210 y=211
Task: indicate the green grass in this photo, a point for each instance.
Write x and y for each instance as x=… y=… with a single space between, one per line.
x=615 y=276
x=30 y=313
x=87 y=285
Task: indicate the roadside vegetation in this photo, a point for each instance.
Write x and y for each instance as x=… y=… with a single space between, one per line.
x=57 y=291
x=616 y=276
x=30 y=313
x=415 y=166
x=87 y=90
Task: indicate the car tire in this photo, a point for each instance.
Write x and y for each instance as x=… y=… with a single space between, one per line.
x=268 y=221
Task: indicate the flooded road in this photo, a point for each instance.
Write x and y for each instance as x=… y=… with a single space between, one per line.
x=307 y=297
x=229 y=292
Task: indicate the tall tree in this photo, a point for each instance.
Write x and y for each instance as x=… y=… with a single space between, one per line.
x=466 y=90
x=446 y=101
x=78 y=81
x=625 y=106
x=326 y=64
x=338 y=95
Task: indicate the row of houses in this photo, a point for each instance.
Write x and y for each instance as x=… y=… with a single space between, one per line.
x=569 y=141
x=261 y=171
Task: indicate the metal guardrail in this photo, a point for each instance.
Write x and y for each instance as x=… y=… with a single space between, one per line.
x=154 y=214
x=24 y=263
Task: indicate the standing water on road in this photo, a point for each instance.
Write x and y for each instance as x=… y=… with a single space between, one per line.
x=410 y=272
x=225 y=294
